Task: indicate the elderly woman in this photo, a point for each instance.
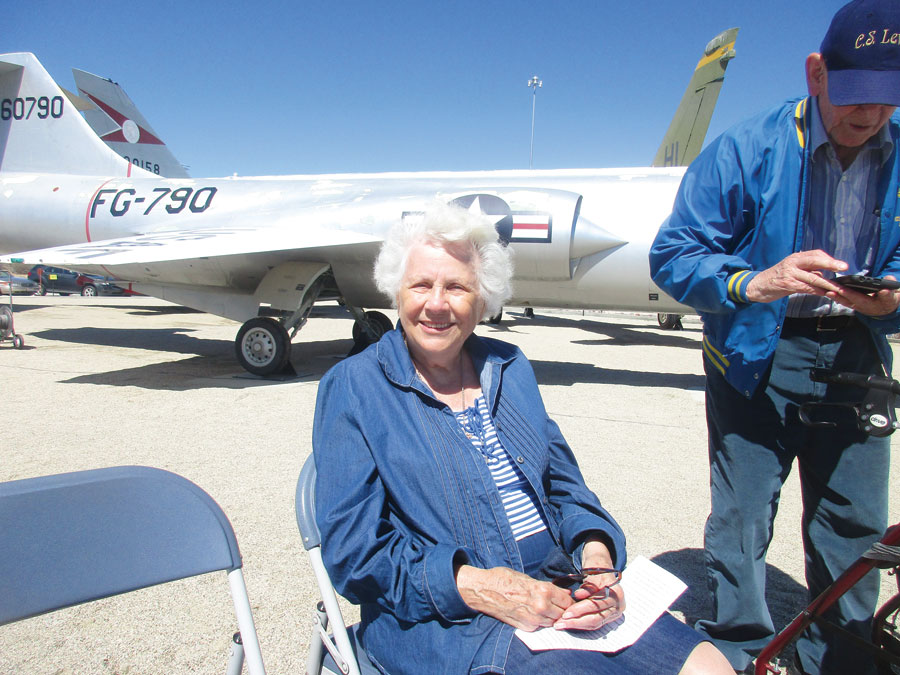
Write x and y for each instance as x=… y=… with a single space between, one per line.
x=447 y=496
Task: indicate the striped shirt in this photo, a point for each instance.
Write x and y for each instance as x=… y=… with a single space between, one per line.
x=518 y=498
x=842 y=210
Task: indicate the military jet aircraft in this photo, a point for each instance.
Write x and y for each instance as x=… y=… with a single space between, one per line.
x=262 y=250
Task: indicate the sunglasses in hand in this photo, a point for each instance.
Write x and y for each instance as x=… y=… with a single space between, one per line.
x=572 y=582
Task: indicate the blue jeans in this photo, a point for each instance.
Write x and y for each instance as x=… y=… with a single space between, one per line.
x=844 y=480
x=662 y=650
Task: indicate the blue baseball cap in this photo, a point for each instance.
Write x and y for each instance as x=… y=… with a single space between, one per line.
x=862 y=53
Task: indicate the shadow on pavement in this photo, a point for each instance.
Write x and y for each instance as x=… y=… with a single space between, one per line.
x=18 y=306
x=158 y=310
x=641 y=334
x=786 y=598
x=564 y=373
x=212 y=362
x=175 y=340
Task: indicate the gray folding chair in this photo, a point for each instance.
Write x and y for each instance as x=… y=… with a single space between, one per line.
x=339 y=653
x=77 y=537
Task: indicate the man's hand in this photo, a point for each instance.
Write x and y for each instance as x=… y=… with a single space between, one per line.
x=512 y=597
x=798 y=273
x=881 y=303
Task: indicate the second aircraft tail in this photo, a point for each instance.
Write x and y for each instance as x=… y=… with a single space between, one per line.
x=684 y=139
x=40 y=129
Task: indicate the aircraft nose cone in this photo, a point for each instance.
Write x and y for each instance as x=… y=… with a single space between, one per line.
x=589 y=239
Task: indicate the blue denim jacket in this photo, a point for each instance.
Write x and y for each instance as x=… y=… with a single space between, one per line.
x=402 y=496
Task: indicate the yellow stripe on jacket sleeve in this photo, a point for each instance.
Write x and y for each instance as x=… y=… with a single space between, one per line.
x=737 y=286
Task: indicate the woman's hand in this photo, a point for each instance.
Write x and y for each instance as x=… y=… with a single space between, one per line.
x=597 y=604
x=600 y=599
x=512 y=597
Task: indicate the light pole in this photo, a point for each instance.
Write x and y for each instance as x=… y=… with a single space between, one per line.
x=534 y=83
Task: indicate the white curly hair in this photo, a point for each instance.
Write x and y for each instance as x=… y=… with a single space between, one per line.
x=441 y=225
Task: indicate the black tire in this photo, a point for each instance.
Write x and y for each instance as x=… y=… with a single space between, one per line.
x=89 y=290
x=263 y=346
x=19 y=342
x=6 y=322
x=378 y=322
x=886 y=633
x=496 y=319
x=669 y=321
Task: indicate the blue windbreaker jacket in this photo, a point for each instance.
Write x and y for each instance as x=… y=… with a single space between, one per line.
x=741 y=208
x=402 y=495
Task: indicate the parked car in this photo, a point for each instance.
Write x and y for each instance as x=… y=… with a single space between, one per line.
x=20 y=285
x=66 y=282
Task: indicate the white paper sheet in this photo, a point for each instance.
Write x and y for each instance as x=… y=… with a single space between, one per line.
x=649 y=590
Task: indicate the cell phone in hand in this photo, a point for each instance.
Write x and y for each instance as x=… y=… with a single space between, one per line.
x=865 y=284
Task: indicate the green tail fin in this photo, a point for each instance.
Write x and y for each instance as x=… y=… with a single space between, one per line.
x=684 y=139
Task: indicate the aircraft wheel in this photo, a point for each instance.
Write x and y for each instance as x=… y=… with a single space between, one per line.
x=496 y=319
x=88 y=290
x=18 y=342
x=263 y=346
x=378 y=322
x=6 y=321
x=669 y=321
x=886 y=633
x=41 y=290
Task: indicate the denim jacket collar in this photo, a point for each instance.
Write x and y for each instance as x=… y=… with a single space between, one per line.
x=396 y=363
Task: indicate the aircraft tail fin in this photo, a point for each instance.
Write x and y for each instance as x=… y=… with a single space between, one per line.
x=684 y=139
x=117 y=121
x=42 y=131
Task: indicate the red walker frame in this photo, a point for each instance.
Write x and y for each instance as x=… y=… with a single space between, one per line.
x=827 y=598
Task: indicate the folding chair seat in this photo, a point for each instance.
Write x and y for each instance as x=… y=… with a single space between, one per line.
x=75 y=537
x=338 y=653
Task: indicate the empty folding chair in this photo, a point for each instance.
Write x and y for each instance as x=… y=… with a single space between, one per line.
x=338 y=653
x=77 y=537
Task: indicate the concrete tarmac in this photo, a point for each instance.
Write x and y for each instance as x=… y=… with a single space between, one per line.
x=113 y=381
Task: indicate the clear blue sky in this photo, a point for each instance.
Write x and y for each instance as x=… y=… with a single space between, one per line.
x=314 y=86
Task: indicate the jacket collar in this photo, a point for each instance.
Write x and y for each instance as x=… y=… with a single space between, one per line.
x=396 y=363
x=801 y=121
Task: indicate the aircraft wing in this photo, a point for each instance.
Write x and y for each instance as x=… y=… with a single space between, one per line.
x=193 y=244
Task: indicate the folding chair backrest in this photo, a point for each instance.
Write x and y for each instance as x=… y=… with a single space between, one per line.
x=305 y=505
x=342 y=648
x=76 y=537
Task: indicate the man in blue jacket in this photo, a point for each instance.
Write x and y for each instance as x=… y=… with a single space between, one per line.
x=764 y=220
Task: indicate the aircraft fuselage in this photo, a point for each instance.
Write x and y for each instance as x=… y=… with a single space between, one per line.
x=589 y=251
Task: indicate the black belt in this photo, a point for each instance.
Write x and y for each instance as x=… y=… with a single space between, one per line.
x=828 y=322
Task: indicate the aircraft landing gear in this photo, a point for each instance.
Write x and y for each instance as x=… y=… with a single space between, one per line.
x=263 y=346
x=669 y=321
x=495 y=319
x=368 y=329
